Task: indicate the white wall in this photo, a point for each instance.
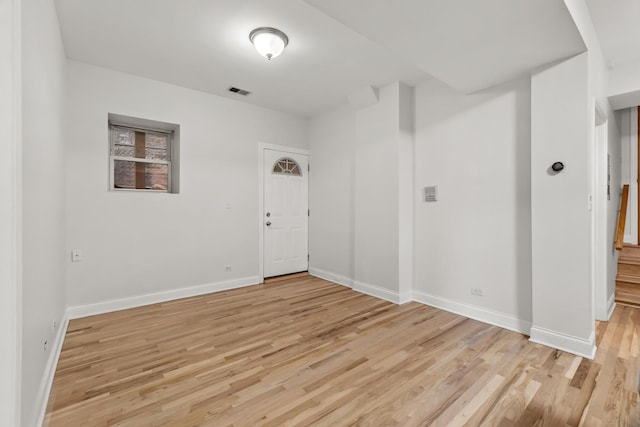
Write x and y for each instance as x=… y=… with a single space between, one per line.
x=331 y=224
x=561 y=227
x=476 y=149
x=601 y=85
x=135 y=244
x=376 y=193
x=406 y=162
x=43 y=78
x=624 y=85
x=383 y=204
x=361 y=224
x=10 y=304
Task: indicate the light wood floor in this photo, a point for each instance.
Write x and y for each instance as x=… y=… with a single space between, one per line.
x=308 y=352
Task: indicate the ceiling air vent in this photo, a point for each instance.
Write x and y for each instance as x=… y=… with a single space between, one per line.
x=239 y=91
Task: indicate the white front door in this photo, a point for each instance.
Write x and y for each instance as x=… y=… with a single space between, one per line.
x=286 y=215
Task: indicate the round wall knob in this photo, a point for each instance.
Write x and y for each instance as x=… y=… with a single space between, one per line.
x=557 y=166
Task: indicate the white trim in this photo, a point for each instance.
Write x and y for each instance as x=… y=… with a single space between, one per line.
x=154 y=298
x=262 y=146
x=331 y=277
x=42 y=398
x=284 y=148
x=612 y=306
x=382 y=293
x=139 y=190
x=168 y=131
x=631 y=227
x=600 y=114
x=599 y=215
x=112 y=160
x=475 y=312
x=363 y=288
x=405 y=297
x=578 y=346
x=140 y=160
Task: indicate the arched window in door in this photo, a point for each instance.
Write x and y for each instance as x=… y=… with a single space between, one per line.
x=287 y=166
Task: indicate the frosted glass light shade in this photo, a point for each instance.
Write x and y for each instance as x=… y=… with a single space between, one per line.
x=269 y=42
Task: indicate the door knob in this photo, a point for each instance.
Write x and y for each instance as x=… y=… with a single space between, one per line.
x=268 y=223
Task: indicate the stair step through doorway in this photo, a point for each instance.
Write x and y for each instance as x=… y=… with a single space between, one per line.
x=628 y=278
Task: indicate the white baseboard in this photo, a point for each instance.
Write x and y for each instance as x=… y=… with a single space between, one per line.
x=361 y=287
x=332 y=277
x=611 y=304
x=405 y=298
x=581 y=347
x=154 y=298
x=378 y=292
x=42 y=398
x=474 y=312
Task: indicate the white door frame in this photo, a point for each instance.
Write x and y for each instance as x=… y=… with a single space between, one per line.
x=10 y=212
x=631 y=157
x=600 y=245
x=261 y=147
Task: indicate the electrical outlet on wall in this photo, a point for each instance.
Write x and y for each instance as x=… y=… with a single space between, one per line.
x=76 y=255
x=477 y=291
x=54 y=325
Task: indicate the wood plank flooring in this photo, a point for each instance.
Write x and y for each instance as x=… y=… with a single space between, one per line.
x=308 y=352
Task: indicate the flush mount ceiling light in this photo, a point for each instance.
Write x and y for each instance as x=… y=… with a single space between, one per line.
x=269 y=42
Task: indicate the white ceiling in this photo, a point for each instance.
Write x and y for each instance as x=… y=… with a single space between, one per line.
x=204 y=45
x=468 y=44
x=336 y=47
x=617 y=23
